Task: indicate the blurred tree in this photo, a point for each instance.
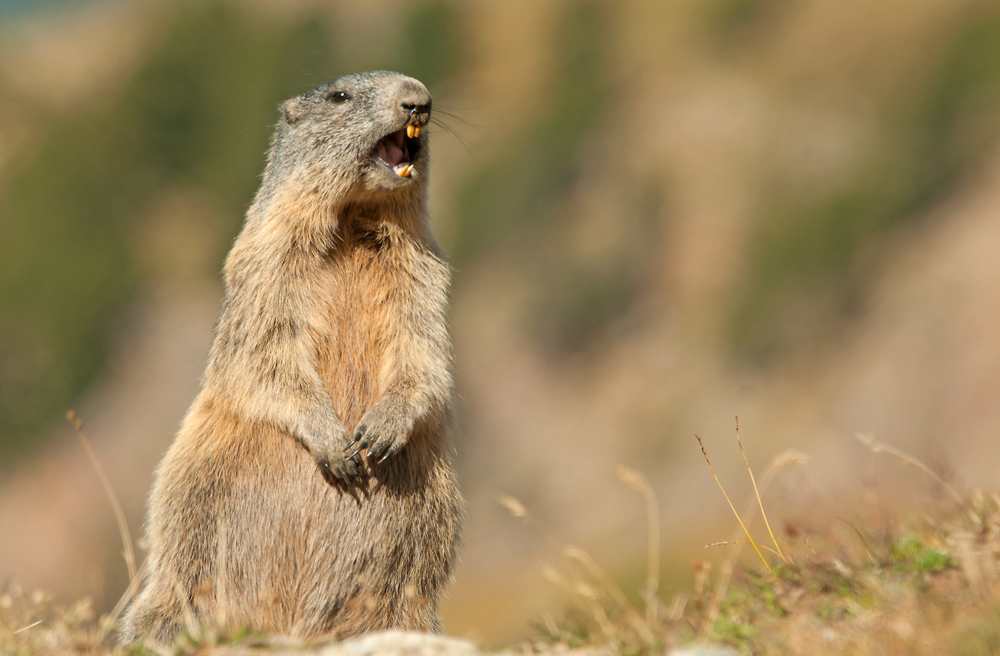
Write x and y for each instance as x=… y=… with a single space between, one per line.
x=804 y=275
x=515 y=187
x=432 y=49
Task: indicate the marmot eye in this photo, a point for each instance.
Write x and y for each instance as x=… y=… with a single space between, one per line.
x=338 y=96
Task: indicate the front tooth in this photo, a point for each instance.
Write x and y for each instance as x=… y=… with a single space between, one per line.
x=416 y=132
x=411 y=131
x=404 y=171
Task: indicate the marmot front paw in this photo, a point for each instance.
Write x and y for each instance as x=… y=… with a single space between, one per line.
x=383 y=431
x=342 y=468
x=328 y=451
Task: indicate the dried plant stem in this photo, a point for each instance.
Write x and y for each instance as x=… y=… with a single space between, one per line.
x=602 y=621
x=863 y=541
x=22 y=629
x=877 y=446
x=756 y=491
x=782 y=460
x=639 y=483
x=126 y=537
x=108 y=621
x=640 y=626
x=585 y=596
x=190 y=618
x=590 y=597
x=579 y=555
x=749 y=537
x=727 y=542
x=518 y=511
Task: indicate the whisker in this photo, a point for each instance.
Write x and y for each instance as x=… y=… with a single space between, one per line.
x=456 y=117
x=462 y=140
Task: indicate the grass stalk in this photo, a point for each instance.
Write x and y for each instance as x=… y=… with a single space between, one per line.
x=636 y=481
x=782 y=460
x=728 y=542
x=877 y=446
x=749 y=537
x=116 y=506
x=756 y=491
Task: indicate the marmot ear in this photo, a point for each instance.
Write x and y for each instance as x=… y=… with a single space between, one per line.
x=291 y=111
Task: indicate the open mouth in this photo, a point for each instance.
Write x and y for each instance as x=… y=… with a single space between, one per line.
x=399 y=149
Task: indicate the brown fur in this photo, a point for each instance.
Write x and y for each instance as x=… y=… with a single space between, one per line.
x=332 y=336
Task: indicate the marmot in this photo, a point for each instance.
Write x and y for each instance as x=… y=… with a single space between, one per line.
x=310 y=490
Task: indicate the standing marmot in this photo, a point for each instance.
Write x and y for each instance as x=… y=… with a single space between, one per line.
x=310 y=490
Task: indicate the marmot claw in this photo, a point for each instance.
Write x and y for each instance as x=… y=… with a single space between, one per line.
x=382 y=433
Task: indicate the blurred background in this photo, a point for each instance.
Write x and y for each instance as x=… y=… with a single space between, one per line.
x=660 y=215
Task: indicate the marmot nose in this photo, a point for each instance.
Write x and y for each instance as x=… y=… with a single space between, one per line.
x=417 y=109
x=418 y=112
x=415 y=101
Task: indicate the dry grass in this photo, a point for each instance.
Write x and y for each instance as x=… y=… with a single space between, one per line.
x=929 y=587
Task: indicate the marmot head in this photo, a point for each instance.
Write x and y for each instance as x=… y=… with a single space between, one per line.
x=363 y=133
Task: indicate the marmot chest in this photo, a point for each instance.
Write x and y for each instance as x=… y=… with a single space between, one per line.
x=358 y=319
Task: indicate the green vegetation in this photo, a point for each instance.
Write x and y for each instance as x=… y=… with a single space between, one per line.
x=959 y=115
x=890 y=593
x=731 y=630
x=805 y=273
x=729 y=21
x=514 y=190
x=582 y=301
x=513 y=196
x=576 y=308
x=912 y=556
x=914 y=601
x=432 y=48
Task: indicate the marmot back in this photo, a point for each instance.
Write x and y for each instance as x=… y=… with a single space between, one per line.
x=310 y=490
